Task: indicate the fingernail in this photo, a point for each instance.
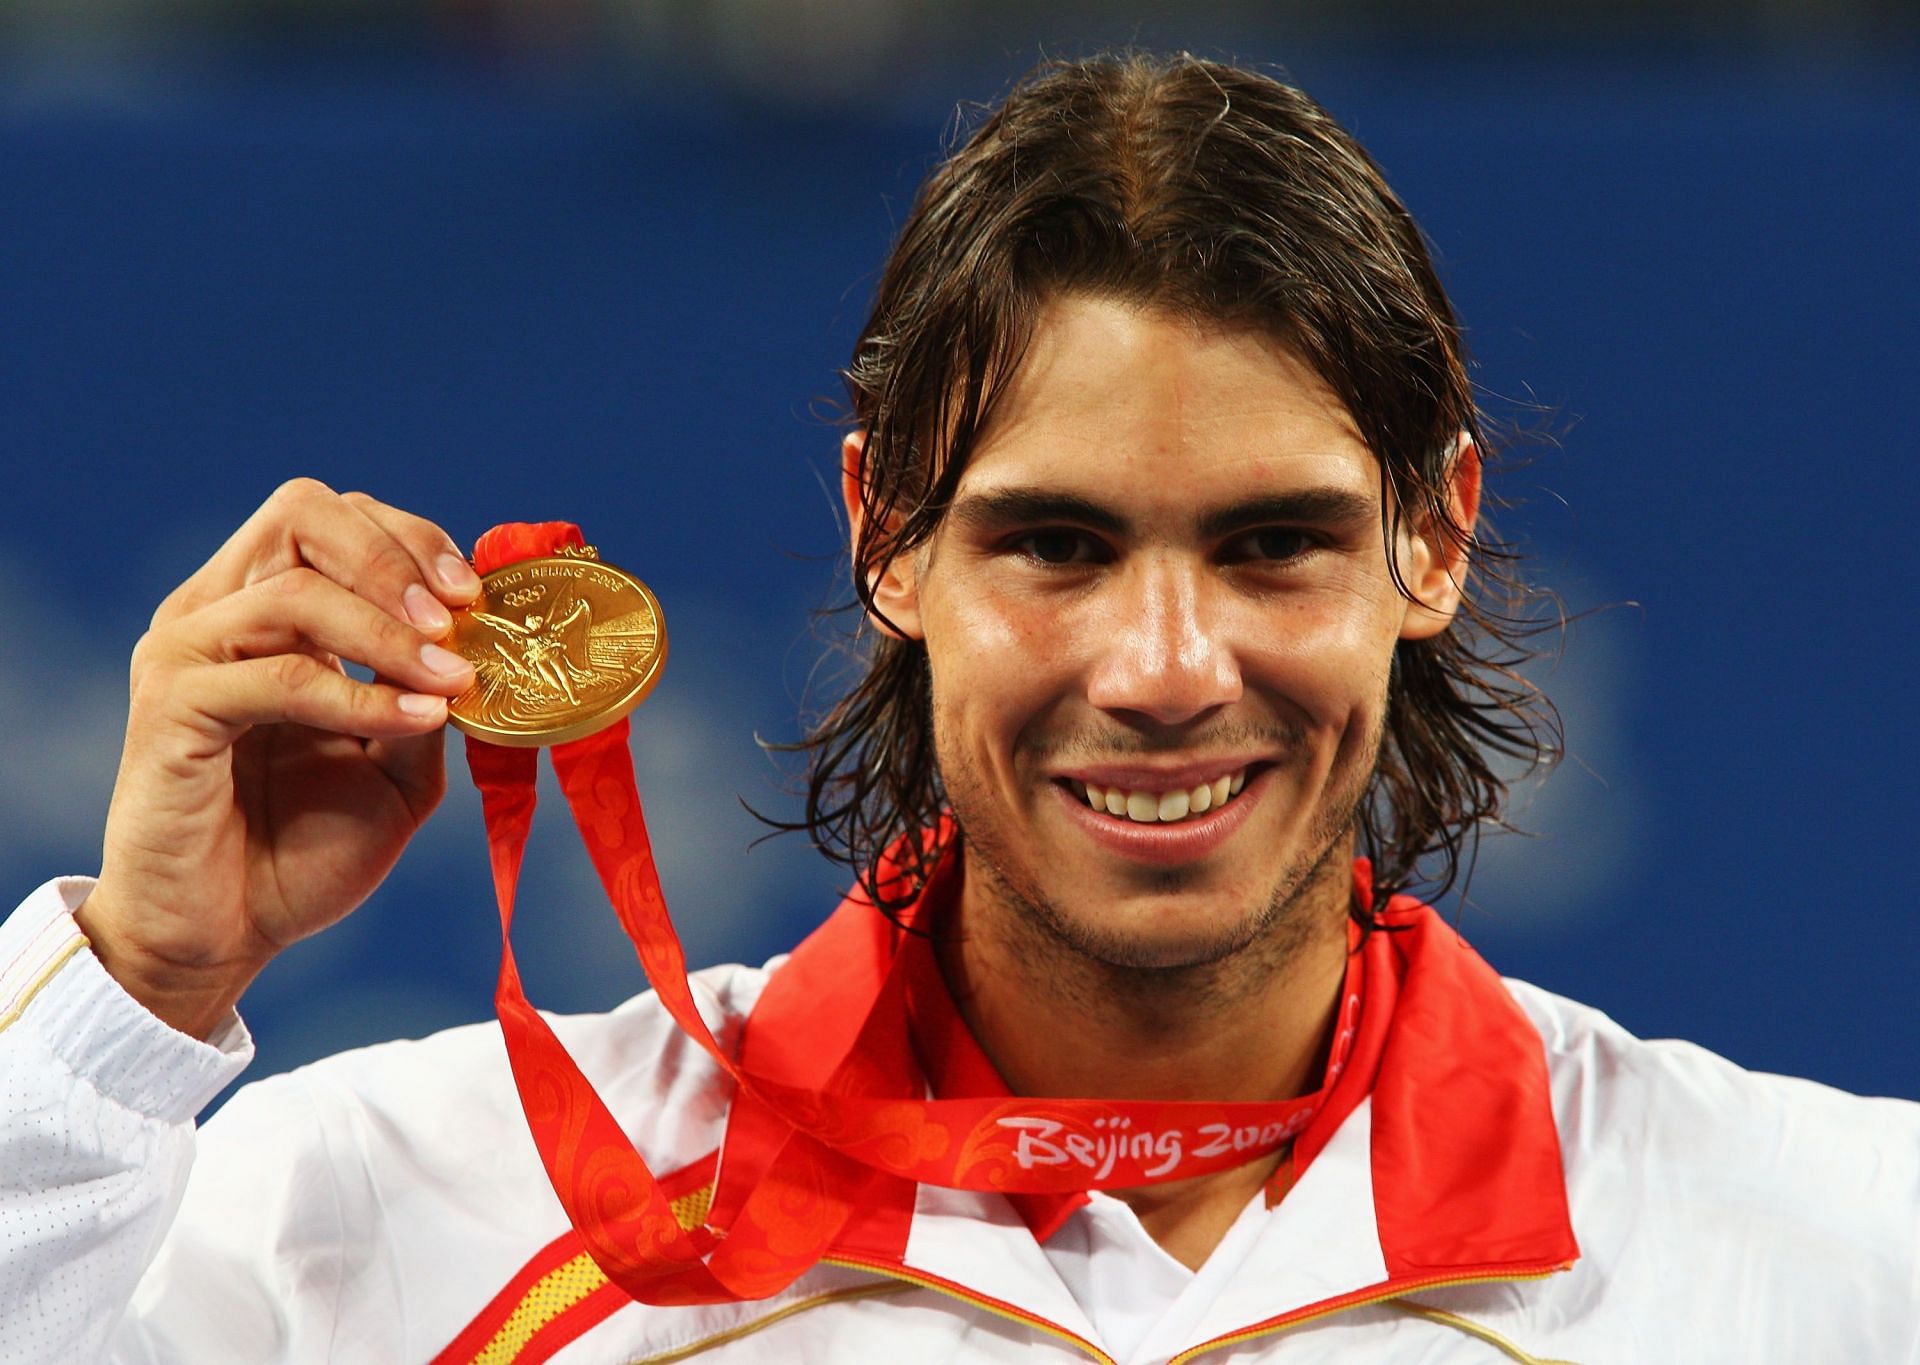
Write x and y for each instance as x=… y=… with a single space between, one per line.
x=442 y=661
x=424 y=609
x=457 y=574
x=420 y=704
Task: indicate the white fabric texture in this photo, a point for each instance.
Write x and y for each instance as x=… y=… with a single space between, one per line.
x=1127 y=1284
x=96 y=1104
x=368 y=1207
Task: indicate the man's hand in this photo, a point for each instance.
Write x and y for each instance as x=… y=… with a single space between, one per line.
x=262 y=792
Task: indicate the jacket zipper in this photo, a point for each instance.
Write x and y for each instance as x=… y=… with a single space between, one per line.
x=1325 y=1308
x=992 y=1305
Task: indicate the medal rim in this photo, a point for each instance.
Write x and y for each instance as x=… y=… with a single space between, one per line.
x=578 y=729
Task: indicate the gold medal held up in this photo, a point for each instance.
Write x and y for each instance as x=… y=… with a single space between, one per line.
x=560 y=647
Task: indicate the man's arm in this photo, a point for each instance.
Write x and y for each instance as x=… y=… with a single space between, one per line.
x=262 y=794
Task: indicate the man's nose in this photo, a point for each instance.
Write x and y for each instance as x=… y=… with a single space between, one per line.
x=1165 y=656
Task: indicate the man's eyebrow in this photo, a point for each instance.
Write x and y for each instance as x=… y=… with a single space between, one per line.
x=1313 y=506
x=1032 y=506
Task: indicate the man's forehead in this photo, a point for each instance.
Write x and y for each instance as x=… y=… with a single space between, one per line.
x=1114 y=381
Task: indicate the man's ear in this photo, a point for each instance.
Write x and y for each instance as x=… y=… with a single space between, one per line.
x=1434 y=566
x=896 y=589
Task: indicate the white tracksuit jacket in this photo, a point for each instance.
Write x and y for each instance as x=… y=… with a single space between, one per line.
x=387 y=1205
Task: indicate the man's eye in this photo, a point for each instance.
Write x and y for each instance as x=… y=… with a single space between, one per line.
x=1055 y=547
x=1271 y=542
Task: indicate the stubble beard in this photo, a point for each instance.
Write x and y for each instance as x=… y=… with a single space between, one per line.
x=1078 y=960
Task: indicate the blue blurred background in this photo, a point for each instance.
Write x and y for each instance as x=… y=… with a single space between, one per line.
x=600 y=262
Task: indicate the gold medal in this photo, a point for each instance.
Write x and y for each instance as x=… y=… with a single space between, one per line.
x=560 y=648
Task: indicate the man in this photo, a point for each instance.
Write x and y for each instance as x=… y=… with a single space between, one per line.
x=1163 y=491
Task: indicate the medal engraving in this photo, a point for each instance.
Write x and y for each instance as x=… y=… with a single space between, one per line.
x=560 y=647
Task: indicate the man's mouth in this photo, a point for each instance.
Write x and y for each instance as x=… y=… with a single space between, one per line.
x=1145 y=807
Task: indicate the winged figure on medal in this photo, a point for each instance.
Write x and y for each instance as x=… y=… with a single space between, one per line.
x=557 y=659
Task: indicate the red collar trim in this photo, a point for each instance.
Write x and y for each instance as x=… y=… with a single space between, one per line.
x=1467 y=1170
x=1466 y=1157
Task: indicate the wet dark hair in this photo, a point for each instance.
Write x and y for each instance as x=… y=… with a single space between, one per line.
x=1227 y=196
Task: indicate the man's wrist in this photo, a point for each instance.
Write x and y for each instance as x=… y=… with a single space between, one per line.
x=196 y=1001
x=59 y=1001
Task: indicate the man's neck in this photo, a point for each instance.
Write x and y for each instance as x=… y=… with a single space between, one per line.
x=1254 y=1026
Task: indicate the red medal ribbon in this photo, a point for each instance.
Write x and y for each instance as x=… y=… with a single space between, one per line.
x=858 y=1128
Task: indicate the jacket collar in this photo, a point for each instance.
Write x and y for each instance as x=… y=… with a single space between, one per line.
x=1435 y=1155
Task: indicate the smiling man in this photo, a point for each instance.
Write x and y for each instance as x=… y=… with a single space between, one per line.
x=1131 y=1043
x=1159 y=626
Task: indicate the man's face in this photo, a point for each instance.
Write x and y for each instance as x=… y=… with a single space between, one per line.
x=1163 y=576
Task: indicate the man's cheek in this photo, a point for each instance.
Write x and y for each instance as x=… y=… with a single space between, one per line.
x=1328 y=676
x=992 y=624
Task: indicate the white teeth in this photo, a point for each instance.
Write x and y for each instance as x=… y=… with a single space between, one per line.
x=1147 y=807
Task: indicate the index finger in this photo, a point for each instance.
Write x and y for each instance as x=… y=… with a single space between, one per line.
x=306 y=524
x=439 y=560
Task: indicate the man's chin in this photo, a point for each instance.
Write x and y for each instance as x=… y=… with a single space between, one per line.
x=1159 y=936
